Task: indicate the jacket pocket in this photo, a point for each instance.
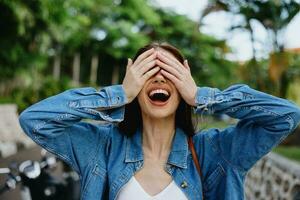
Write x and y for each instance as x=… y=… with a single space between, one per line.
x=214 y=178
x=94 y=185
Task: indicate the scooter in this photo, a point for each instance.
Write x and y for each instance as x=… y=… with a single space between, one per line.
x=37 y=182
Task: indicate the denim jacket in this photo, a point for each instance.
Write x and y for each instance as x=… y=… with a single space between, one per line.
x=106 y=159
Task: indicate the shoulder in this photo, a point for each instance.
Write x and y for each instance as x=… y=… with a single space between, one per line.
x=98 y=137
x=92 y=128
x=92 y=133
x=213 y=136
x=213 y=133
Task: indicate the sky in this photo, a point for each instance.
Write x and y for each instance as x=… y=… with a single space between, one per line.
x=216 y=25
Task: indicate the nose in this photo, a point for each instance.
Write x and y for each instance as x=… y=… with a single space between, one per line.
x=159 y=78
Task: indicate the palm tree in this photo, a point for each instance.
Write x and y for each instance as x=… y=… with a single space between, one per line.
x=274 y=16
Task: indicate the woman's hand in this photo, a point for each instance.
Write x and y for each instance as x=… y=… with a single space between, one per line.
x=138 y=73
x=180 y=75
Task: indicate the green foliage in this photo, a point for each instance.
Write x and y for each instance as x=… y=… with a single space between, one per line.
x=136 y=10
x=261 y=78
x=294 y=67
x=37 y=30
x=206 y=54
x=273 y=15
x=292 y=152
x=21 y=36
x=25 y=97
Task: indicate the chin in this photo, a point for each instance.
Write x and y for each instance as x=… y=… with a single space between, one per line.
x=159 y=111
x=159 y=114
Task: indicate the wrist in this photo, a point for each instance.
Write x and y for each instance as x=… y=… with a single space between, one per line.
x=192 y=102
x=194 y=96
x=127 y=94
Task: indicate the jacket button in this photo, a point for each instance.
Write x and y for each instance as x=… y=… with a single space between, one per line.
x=184 y=184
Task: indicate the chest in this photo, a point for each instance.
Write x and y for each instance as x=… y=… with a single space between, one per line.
x=133 y=191
x=153 y=176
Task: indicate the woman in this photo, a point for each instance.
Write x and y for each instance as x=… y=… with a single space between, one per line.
x=146 y=155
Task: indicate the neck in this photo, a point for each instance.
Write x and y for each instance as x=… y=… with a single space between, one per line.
x=158 y=136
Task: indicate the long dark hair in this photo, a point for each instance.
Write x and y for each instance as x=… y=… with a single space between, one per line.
x=133 y=118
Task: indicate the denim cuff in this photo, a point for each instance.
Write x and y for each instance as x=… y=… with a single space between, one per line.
x=204 y=96
x=116 y=95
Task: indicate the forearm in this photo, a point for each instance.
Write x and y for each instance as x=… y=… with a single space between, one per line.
x=61 y=111
x=244 y=103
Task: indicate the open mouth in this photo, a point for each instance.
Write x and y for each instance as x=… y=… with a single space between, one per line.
x=159 y=95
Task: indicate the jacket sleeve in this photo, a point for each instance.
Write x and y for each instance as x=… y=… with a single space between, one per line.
x=264 y=121
x=55 y=123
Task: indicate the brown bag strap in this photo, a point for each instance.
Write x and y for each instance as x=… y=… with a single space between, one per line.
x=195 y=158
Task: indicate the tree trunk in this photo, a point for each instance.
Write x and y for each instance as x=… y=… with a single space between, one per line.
x=115 y=75
x=56 y=67
x=252 y=41
x=76 y=69
x=284 y=84
x=94 y=69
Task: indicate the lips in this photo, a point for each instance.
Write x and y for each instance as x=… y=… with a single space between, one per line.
x=159 y=96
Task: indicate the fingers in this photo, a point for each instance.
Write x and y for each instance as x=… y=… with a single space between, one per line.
x=168 y=68
x=186 y=65
x=170 y=60
x=144 y=65
x=147 y=67
x=129 y=63
x=170 y=76
x=148 y=59
x=171 y=68
x=143 y=56
x=150 y=73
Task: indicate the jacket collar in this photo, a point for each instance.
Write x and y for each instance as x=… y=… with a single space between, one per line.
x=178 y=154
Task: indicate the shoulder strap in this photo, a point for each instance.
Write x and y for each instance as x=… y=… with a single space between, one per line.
x=194 y=155
x=195 y=158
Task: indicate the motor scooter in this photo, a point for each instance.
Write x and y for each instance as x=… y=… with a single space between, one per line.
x=38 y=182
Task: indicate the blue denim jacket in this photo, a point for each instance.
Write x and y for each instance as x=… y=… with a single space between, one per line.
x=106 y=159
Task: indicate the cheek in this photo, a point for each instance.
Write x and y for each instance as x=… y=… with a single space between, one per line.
x=177 y=96
x=141 y=99
x=142 y=94
x=178 y=99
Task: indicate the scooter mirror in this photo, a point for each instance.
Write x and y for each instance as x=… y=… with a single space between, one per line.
x=30 y=169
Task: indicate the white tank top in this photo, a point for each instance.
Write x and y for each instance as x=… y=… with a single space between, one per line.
x=134 y=191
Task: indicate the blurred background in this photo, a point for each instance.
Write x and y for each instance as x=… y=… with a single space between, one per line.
x=48 y=46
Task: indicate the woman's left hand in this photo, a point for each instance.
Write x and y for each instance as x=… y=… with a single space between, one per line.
x=180 y=75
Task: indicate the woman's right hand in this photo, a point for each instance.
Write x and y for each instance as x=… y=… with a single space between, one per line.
x=138 y=73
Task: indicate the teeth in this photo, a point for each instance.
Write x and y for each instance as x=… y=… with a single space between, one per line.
x=159 y=91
